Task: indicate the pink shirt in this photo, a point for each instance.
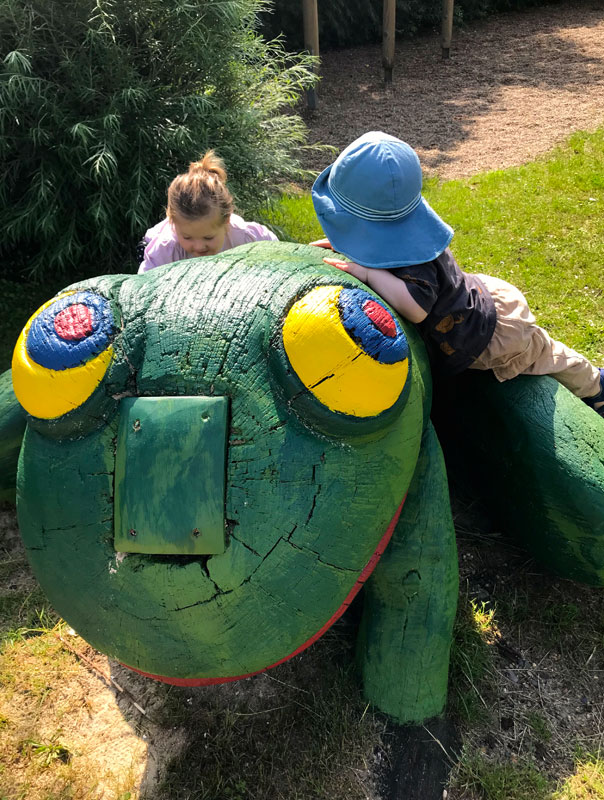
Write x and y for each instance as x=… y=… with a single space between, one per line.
x=163 y=248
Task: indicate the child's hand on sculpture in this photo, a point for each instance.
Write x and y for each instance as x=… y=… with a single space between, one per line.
x=371 y=208
x=386 y=285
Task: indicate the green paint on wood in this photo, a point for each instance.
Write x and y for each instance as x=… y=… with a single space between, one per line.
x=303 y=511
x=170 y=475
x=307 y=495
x=12 y=427
x=540 y=469
x=410 y=601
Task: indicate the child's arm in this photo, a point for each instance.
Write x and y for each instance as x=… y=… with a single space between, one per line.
x=392 y=289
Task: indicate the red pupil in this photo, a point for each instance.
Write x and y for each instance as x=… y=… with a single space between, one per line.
x=381 y=318
x=74 y=323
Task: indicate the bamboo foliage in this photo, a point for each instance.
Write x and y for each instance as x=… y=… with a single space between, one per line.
x=102 y=102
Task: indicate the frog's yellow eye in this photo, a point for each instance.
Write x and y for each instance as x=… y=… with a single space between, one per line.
x=347 y=349
x=62 y=354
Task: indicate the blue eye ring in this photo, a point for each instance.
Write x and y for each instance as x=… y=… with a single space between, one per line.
x=45 y=345
x=385 y=342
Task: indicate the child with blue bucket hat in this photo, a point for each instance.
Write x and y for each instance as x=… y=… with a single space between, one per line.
x=370 y=205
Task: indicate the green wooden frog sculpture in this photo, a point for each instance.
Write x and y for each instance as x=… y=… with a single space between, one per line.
x=219 y=452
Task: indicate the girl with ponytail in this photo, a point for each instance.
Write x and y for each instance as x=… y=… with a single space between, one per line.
x=200 y=220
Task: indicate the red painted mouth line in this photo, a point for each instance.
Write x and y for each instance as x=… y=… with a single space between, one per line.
x=366 y=572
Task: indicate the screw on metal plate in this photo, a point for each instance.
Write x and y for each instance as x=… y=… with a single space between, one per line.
x=196 y=532
x=136 y=425
x=132 y=532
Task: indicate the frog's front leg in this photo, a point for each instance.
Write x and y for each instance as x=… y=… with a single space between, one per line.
x=411 y=599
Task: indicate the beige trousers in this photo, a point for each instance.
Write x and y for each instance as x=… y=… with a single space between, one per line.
x=520 y=347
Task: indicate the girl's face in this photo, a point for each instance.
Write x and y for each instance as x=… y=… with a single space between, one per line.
x=203 y=236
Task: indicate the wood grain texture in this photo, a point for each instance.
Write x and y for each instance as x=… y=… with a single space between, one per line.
x=419 y=759
x=308 y=491
x=12 y=427
x=411 y=600
x=534 y=454
x=183 y=438
x=304 y=511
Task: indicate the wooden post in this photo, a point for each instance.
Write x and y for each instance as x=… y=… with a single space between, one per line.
x=311 y=41
x=388 y=36
x=447 y=27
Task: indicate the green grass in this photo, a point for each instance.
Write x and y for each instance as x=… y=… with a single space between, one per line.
x=471 y=669
x=587 y=783
x=539 y=726
x=295 y=747
x=538 y=226
x=293 y=218
x=478 y=777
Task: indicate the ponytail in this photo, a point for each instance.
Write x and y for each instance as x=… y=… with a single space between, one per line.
x=211 y=163
x=202 y=189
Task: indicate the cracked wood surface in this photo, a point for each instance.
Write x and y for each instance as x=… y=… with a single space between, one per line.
x=305 y=506
x=541 y=469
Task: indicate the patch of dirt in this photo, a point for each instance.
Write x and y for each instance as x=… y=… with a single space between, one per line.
x=543 y=699
x=112 y=746
x=514 y=86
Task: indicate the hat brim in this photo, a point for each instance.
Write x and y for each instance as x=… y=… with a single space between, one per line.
x=417 y=238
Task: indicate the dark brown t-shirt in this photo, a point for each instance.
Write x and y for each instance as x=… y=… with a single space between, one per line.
x=461 y=313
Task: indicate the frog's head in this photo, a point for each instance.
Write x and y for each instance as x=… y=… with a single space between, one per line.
x=216 y=455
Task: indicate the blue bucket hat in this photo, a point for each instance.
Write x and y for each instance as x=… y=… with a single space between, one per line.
x=369 y=203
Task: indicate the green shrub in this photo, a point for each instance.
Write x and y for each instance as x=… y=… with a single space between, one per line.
x=103 y=102
x=343 y=23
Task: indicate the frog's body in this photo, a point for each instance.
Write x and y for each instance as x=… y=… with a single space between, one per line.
x=209 y=479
